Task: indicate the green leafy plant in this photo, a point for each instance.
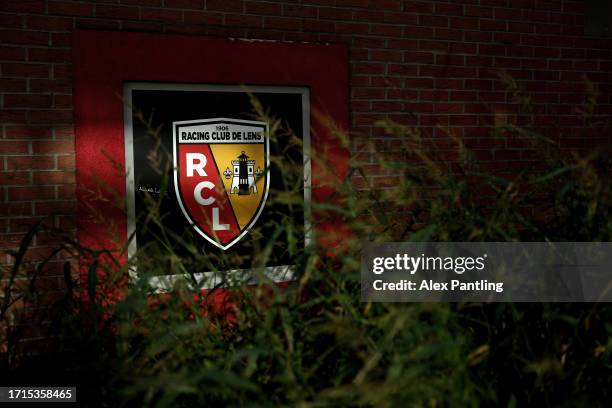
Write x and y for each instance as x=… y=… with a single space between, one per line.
x=312 y=342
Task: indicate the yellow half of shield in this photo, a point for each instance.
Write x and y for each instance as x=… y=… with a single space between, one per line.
x=242 y=168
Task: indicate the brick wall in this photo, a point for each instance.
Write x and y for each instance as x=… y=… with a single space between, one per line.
x=436 y=59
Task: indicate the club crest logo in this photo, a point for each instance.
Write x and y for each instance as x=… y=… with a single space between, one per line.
x=221 y=176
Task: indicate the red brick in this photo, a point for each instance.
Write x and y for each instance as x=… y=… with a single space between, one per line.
x=167 y=16
x=433 y=21
x=369 y=16
x=11 y=21
x=356 y=3
x=420 y=83
x=493 y=25
x=14 y=178
x=62 y=71
x=479 y=61
x=521 y=27
x=282 y=23
x=419 y=7
x=519 y=51
x=235 y=6
x=477 y=36
x=15 y=209
x=52 y=147
x=368 y=93
x=291 y=10
x=335 y=38
x=449 y=83
x=449 y=59
x=402 y=69
x=70 y=8
x=368 y=68
x=66 y=191
x=96 y=24
x=49 y=54
x=198 y=17
x=10 y=240
x=433 y=95
x=359 y=80
x=468 y=96
x=433 y=45
x=24 y=37
x=462 y=48
x=53 y=177
x=253 y=7
x=25 y=70
x=150 y=3
x=492 y=49
x=420 y=107
x=401 y=18
x=118 y=12
x=448 y=34
x=51 y=116
x=386 y=30
x=23 y=6
x=242 y=20
x=31 y=193
x=418 y=32
x=51 y=85
x=62 y=101
x=492 y=96
x=368 y=42
x=27 y=101
x=61 y=39
x=495 y=3
x=318 y=26
x=403 y=44
x=12 y=116
x=507 y=14
x=27 y=132
x=449 y=9
x=66 y=132
x=31 y=163
x=352 y=28
x=49 y=23
x=67 y=223
x=477 y=11
x=182 y=4
x=300 y=37
x=66 y=162
x=67 y=207
x=536 y=16
x=12 y=53
x=23 y=224
x=385 y=55
x=388 y=81
x=395 y=5
x=359 y=55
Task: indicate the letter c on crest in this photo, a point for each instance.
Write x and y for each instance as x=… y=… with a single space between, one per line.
x=197 y=193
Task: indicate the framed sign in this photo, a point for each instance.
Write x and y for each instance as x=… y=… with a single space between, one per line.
x=191 y=85
x=200 y=153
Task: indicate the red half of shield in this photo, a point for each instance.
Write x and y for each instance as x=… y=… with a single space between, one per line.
x=203 y=195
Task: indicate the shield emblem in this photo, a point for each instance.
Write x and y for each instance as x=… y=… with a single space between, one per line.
x=221 y=176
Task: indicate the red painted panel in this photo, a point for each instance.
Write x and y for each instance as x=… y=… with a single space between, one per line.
x=103 y=61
